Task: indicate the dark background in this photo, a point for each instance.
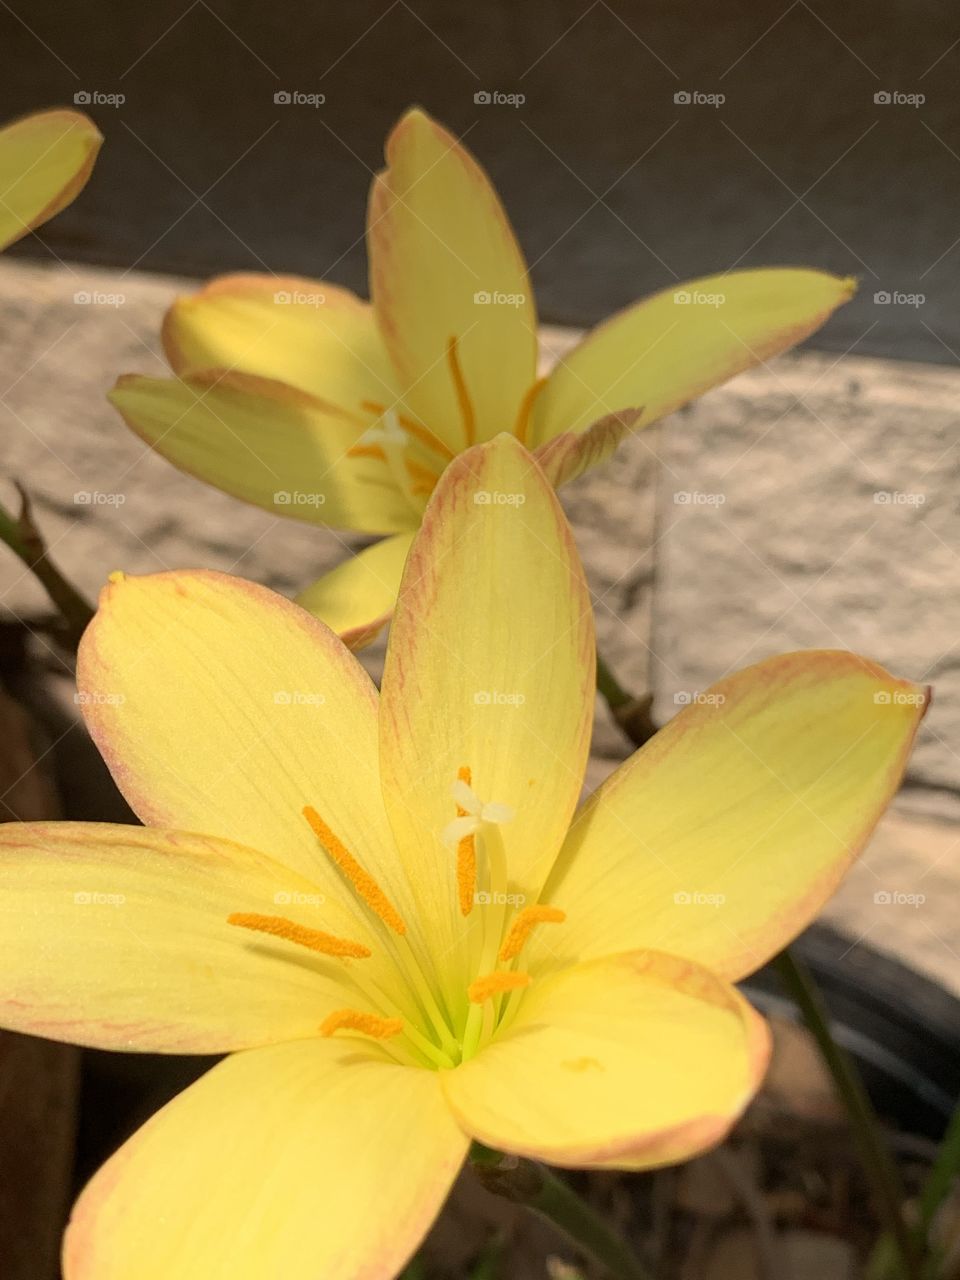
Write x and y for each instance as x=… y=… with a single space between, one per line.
x=614 y=188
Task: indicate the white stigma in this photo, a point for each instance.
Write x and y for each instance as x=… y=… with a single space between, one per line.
x=387 y=432
x=476 y=813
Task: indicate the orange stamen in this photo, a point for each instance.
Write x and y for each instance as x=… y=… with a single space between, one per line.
x=367 y=451
x=526 y=409
x=423 y=434
x=362 y=881
x=463 y=395
x=493 y=984
x=315 y=939
x=467 y=873
x=421 y=474
x=466 y=856
x=523 y=924
x=369 y=1024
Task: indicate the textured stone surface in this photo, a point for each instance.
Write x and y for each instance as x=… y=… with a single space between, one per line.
x=814 y=503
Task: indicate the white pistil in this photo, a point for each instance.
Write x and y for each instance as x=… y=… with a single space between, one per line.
x=394 y=439
x=476 y=813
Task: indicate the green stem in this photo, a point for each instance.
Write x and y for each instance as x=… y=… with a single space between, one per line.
x=24 y=539
x=631 y=713
x=535 y=1186
x=945 y=1171
x=877 y=1161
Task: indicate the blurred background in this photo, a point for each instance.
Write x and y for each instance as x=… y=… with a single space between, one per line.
x=635 y=146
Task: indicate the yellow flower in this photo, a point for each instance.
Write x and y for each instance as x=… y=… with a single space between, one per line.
x=389 y=922
x=298 y=397
x=45 y=161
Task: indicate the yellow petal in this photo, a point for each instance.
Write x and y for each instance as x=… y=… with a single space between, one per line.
x=219 y=706
x=309 y=1159
x=357 y=598
x=117 y=937
x=567 y=456
x=444 y=265
x=267 y=443
x=723 y=837
x=490 y=666
x=677 y=344
x=634 y=1061
x=45 y=161
x=306 y=333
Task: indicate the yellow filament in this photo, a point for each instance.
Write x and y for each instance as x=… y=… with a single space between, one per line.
x=526 y=409
x=466 y=856
x=364 y=883
x=369 y=1024
x=463 y=395
x=421 y=475
x=523 y=924
x=315 y=939
x=367 y=451
x=423 y=434
x=494 y=984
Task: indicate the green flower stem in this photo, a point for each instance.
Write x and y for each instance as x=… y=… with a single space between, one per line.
x=535 y=1186
x=24 y=539
x=943 y=1175
x=631 y=713
x=877 y=1161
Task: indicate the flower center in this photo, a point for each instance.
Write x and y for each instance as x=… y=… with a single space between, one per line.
x=430 y=1029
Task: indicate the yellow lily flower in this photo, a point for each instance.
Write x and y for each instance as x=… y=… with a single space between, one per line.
x=297 y=396
x=389 y=922
x=45 y=161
